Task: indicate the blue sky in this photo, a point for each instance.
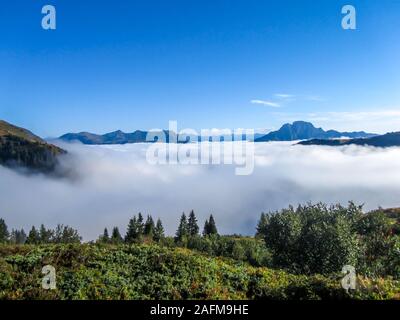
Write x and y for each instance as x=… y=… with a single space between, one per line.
x=138 y=64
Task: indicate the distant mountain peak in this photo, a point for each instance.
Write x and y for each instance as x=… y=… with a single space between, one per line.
x=303 y=130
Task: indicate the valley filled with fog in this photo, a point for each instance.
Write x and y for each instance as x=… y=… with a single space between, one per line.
x=109 y=184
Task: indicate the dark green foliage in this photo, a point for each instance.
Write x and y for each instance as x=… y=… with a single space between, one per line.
x=193 y=227
x=45 y=235
x=116 y=237
x=65 y=234
x=182 y=233
x=210 y=228
x=151 y=272
x=33 y=236
x=105 y=237
x=379 y=246
x=313 y=238
x=149 y=227
x=18 y=236
x=158 y=231
x=4 y=234
x=261 y=225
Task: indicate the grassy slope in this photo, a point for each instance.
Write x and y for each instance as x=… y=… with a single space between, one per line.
x=152 y=272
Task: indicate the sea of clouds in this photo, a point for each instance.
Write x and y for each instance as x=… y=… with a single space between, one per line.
x=109 y=184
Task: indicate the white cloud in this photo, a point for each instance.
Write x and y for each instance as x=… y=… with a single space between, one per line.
x=284 y=95
x=115 y=182
x=266 y=103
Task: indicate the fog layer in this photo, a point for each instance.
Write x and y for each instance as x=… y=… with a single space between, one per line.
x=112 y=183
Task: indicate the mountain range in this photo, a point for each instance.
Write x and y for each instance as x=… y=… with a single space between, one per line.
x=298 y=130
x=21 y=148
x=386 y=140
x=301 y=130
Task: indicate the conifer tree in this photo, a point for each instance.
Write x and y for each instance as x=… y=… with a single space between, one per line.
x=149 y=227
x=33 y=236
x=158 y=231
x=45 y=235
x=193 y=227
x=182 y=232
x=210 y=227
x=116 y=236
x=105 y=238
x=4 y=234
x=132 y=233
x=261 y=225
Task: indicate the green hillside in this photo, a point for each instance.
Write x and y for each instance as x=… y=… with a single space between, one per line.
x=21 y=148
x=152 y=272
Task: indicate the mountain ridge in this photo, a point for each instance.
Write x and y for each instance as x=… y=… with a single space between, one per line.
x=21 y=148
x=298 y=130
x=302 y=130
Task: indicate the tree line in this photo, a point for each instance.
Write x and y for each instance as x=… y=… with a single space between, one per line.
x=140 y=230
x=61 y=234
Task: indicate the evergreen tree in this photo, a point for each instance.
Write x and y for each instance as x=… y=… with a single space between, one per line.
x=206 y=228
x=132 y=231
x=4 y=234
x=210 y=227
x=158 y=231
x=182 y=232
x=65 y=234
x=140 y=225
x=18 y=236
x=33 y=236
x=149 y=227
x=45 y=235
x=105 y=238
x=116 y=236
x=262 y=225
x=193 y=227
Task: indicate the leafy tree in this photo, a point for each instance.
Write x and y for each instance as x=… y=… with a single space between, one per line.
x=116 y=236
x=4 y=234
x=313 y=238
x=183 y=232
x=193 y=227
x=33 y=236
x=158 y=231
x=149 y=227
x=375 y=229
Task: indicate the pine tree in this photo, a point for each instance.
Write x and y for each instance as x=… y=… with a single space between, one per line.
x=182 y=232
x=18 y=236
x=206 y=228
x=45 y=235
x=261 y=225
x=149 y=227
x=116 y=236
x=33 y=236
x=132 y=231
x=193 y=227
x=158 y=231
x=4 y=234
x=140 y=225
x=210 y=227
x=105 y=238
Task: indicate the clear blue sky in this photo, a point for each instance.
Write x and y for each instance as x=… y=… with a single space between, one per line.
x=137 y=64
